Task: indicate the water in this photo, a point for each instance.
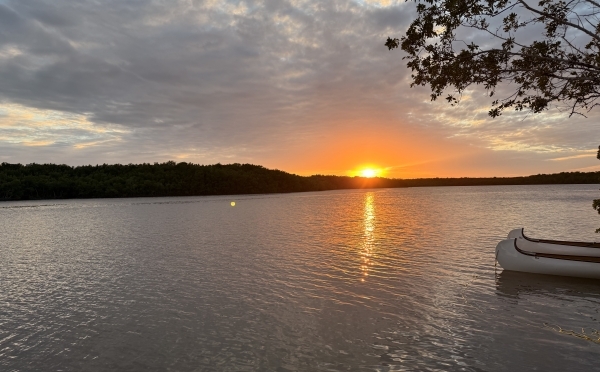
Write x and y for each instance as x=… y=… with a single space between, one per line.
x=359 y=280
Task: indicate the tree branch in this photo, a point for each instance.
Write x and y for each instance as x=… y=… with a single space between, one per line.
x=593 y=3
x=559 y=60
x=582 y=29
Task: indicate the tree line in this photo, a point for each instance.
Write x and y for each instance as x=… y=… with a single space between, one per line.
x=52 y=181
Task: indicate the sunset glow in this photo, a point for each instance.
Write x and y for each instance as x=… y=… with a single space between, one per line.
x=368 y=173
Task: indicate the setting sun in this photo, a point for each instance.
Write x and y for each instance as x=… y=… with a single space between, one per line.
x=368 y=173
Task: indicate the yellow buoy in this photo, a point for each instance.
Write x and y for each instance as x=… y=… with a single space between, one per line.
x=233 y=204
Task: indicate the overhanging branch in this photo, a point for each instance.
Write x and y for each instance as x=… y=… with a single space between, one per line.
x=561 y=21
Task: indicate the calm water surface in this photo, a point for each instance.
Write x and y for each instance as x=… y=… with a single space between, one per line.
x=361 y=280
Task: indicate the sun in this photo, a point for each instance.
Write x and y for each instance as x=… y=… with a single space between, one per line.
x=368 y=173
x=367 y=170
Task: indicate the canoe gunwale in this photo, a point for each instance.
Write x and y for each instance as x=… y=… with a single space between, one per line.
x=560 y=242
x=556 y=256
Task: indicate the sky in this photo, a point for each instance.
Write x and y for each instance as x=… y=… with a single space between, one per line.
x=304 y=86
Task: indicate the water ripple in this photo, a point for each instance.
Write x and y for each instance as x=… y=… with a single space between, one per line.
x=374 y=280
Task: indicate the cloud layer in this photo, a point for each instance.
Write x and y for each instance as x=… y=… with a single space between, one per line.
x=304 y=86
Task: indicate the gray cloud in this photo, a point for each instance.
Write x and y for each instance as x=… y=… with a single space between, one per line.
x=221 y=81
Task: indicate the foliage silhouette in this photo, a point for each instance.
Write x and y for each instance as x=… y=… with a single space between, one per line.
x=51 y=181
x=562 y=68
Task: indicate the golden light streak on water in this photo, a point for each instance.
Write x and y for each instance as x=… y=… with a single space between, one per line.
x=369 y=233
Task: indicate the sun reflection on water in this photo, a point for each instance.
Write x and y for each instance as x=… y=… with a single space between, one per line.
x=369 y=234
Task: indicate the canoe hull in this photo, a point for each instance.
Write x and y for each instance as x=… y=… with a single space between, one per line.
x=516 y=233
x=511 y=259
x=588 y=249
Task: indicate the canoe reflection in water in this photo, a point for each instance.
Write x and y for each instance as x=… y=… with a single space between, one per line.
x=567 y=307
x=515 y=284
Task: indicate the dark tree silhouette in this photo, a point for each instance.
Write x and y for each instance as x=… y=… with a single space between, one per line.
x=51 y=181
x=561 y=67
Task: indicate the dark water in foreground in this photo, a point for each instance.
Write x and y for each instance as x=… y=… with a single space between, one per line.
x=384 y=280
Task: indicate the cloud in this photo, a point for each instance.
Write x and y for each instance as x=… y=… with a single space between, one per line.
x=587 y=154
x=269 y=82
x=41 y=127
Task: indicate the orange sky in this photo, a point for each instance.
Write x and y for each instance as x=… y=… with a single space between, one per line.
x=421 y=152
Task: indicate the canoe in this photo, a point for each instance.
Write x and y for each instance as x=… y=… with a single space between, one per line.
x=511 y=256
x=560 y=247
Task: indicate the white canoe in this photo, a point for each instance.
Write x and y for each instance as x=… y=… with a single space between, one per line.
x=512 y=257
x=560 y=247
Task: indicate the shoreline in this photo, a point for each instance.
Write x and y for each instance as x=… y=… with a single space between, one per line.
x=61 y=182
